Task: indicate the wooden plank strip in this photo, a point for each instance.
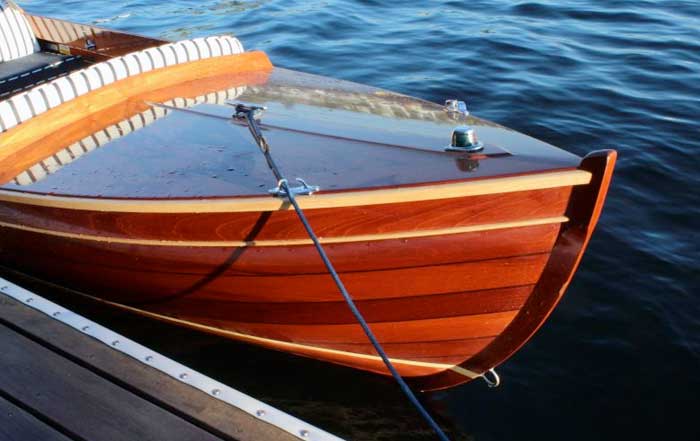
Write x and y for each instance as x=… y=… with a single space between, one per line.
x=320 y=200
x=473 y=326
x=201 y=307
x=291 y=242
x=80 y=401
x=19 y=425
x=462 y=348
x=146 y=286
x=369 y=256
x=187 y=402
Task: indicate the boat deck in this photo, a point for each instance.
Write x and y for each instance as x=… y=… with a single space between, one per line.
x=337 y=135
x=65 y=377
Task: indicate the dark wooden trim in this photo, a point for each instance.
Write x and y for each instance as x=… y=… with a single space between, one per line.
x=18 y=424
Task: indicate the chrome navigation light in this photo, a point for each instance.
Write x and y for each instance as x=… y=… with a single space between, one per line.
x=464 y=140
x=457 y=106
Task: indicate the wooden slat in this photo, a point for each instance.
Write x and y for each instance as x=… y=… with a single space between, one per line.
x=201 y=307
x=18 y=425
x=149 y=286
x=188 y=402
x=404 y=282
x=80 y=401
x=403 y=235
x=478 y=325
x=361 y=256
x=462 y=348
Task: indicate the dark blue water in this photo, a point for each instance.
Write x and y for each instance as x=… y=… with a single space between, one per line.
x=620 y=357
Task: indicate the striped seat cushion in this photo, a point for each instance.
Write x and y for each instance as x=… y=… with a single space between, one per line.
x=17 y=38
x=24 y=106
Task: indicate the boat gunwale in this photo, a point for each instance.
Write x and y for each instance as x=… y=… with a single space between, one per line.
x=325 y=199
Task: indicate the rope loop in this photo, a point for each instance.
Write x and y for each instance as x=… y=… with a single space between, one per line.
x=495 y=381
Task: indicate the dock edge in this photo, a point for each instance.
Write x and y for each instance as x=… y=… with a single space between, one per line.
x=171 y=368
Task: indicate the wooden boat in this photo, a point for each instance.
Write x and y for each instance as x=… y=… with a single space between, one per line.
x=138 y=189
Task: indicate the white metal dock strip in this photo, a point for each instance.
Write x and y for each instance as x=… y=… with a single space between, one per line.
x=179 y=372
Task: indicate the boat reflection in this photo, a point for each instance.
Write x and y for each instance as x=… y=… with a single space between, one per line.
x=467 y=164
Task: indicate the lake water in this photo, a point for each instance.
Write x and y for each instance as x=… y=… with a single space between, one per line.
x=620 y=357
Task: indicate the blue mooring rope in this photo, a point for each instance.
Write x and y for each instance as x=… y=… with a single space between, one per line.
x=358 y=315
x=249 y=114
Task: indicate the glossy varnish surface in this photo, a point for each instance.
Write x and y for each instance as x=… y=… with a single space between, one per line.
x=448 y=295
x=448 y=306
x=432 y=300
x=334 y=134
x=188 y=155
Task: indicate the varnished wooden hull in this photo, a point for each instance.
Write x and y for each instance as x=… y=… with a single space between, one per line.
x=447 y=303
x=454 y=258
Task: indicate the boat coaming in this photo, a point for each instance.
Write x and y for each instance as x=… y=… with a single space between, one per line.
x=453 y=275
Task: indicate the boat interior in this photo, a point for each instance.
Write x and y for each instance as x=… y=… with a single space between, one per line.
x=38 y=49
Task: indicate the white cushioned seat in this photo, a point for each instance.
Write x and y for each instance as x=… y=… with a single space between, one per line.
x=24 y=106
x=17 y=38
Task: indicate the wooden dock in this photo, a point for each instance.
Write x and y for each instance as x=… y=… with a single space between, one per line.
x=64 y=377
